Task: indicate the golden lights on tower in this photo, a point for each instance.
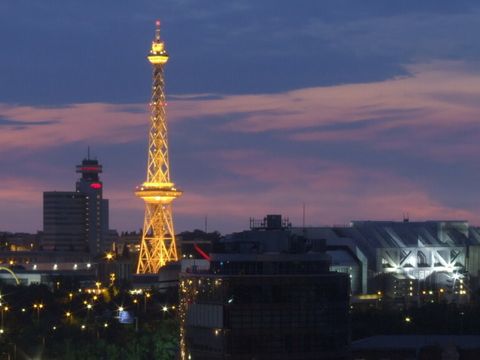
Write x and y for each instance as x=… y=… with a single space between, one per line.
x=158 y=246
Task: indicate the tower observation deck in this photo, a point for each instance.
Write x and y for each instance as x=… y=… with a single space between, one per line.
x=158 y=245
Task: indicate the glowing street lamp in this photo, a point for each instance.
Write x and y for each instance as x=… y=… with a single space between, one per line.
x=89 y=308
x=146 y=296
x=38 y=307
x=3 y=308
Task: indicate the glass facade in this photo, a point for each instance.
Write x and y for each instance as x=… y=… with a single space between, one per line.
x=265 y=310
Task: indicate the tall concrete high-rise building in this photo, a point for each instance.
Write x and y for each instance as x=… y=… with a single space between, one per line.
x=96 y=214
x=158 y=245
x=77 y=220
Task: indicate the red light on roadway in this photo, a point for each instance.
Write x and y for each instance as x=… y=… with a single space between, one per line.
x=96 y=186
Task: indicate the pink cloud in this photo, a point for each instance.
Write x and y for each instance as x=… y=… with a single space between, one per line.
x=325 y=201
x=333 y=193
x=104 y=123
x=437 y=98
x=253 y=183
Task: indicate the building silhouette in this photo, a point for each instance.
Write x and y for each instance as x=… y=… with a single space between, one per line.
x=264 y=294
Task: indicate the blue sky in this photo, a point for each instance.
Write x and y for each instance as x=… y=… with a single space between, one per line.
x=360 y=110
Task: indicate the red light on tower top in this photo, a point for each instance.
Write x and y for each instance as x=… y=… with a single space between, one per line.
x=157 y=31
x=96 y=186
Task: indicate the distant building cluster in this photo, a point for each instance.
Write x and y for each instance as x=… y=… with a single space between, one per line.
x=284 y=292
x=76 y=241
x=408 y=262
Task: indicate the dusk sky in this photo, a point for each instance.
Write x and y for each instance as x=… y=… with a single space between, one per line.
x=359 y=109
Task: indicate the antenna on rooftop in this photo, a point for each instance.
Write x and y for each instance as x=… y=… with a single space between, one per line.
x=303 y=217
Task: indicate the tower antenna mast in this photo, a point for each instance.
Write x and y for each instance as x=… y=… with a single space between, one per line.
x=158 y=246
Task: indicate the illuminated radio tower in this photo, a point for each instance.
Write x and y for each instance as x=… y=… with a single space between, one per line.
x=158 y=245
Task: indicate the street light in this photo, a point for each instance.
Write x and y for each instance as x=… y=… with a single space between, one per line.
x=145 y=297
x=38 y=307
x=3 y=308
x=89 y=308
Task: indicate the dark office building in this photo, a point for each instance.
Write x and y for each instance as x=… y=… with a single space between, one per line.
x=77 y=220
x=64 y=221
x=264 y=294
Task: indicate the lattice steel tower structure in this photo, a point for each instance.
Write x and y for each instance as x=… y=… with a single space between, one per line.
x=158 y=245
